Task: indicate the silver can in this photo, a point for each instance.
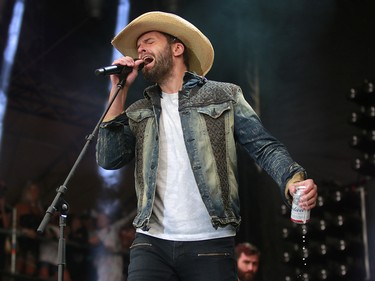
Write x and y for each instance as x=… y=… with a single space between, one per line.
x=298 y=214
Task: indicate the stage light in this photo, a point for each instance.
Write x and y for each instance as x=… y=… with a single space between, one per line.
x=365 y=166
x=112 y=177
x=364 y=119
x=332 y=246
x=364 y=142
x=8 y=56
x=364 y=95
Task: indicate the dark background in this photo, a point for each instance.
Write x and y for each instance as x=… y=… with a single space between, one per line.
x=295 y=60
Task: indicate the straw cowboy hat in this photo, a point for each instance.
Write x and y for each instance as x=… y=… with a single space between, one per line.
x=200 y=50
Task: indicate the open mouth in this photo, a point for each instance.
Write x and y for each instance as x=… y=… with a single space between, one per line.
x=147 y=59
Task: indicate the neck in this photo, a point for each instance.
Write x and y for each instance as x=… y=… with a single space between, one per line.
x=173 y=82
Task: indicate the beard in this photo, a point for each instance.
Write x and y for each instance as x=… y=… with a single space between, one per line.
x=247 y=276
x=162 y=66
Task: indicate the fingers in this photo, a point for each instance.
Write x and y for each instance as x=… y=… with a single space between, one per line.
x=292 y=190
x=310 y=195
x=129 y=76
x=128 y=61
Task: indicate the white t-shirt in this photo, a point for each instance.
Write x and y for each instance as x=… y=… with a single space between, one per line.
x=179 y=212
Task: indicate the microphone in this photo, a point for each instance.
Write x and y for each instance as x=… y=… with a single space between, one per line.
x=116 y=69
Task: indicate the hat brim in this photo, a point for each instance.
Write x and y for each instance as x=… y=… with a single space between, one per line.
x=200 y=50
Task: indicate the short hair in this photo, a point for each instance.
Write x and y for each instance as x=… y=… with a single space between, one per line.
x=173 y=39
x=247 y=248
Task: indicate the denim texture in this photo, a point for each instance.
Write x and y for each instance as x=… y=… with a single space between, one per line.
x=214 y=117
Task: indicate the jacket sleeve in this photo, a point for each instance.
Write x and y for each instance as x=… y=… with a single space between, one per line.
x=116 y=143
x=268 y=152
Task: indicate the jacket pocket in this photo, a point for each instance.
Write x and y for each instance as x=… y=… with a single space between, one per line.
x=140 y=115
x=214 y=110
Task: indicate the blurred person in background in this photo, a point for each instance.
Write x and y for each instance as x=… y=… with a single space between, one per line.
x=29 y=215
x=77 y=254
x=5 y=217
x=109 y=252
x=248 y=257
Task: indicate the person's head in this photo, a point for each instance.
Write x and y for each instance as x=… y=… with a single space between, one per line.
x=247 y=261
x=160 y=52
x=175 y=37
x=31 y=192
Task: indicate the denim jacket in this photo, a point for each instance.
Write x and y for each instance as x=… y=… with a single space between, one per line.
x=214 y=117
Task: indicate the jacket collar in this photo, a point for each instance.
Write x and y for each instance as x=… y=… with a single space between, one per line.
x=190 y=80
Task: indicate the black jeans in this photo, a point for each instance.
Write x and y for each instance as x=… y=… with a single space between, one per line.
x=153 y=259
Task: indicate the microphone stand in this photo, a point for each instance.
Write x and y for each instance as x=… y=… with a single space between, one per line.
x=58 y=203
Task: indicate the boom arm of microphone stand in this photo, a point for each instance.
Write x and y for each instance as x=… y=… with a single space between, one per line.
x=62 y=189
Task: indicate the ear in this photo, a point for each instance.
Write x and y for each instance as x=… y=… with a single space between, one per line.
x=178 y=49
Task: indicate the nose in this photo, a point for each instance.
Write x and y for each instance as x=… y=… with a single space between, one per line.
x=250 y=267
x=141 y=49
